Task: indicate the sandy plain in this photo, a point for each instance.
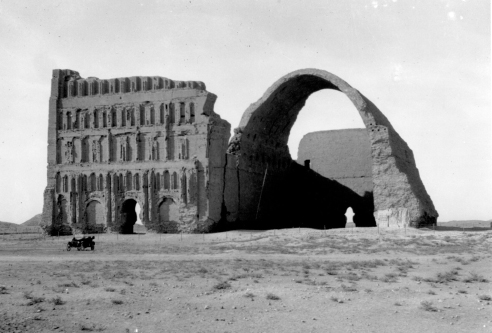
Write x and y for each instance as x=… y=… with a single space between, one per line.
x=290 y=280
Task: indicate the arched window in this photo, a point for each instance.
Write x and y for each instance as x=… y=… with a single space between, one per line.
x=152 y=115
x=183 y=189
x=192 y=112
x=84 y=182
x=57 y=182
x=130 y=117
x=123 y=117
x=161 y=114
x=166 y=180
x=142 y=116
x=101 y=183
x=121 y=185
x=94 y=87
x=92 y=182
x=74 y=189
x=60 y=120
x=113 y=118
x=116 y=183
x=128 y=181
x=86 y=120
x=171 y=113
x=96 y=118
x=104 y=120
x=102 y=87
x=76 y=123
x=69 y=120
x=137 y=182
x=175 y=181
x=157 y=181
x=182 y=115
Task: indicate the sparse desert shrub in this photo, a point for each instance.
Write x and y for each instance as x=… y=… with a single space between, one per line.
x=336 y=299
x=110 y=289
x=431 y=292
x=222 y=285
x=447 y=276
x=91 y=328
x=272 y=297
x=348 y=288
x=33 y=299
x=389 y=277
x=85 y=282
x=249 y=295
x=57 y=300
x=398 y=304
x=68 y=285
x=117 y=301
x=475 y=277
x=202 y=270
x=3 y=290
x=428 y=306
x=349 y=276
x=369 y=277
x=485 y=298
x=461 y=291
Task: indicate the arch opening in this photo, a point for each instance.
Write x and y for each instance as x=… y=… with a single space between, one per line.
x=327 y=181
x=168 y=216
x=129 y=216
x=95 y=216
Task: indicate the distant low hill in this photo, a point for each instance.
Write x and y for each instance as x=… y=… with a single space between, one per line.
x=467 y=224
x=33 y=221
x=8 y=225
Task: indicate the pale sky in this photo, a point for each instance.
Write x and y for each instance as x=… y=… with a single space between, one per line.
x=424 y=63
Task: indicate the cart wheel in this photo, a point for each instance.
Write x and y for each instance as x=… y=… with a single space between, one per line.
x=68 y=247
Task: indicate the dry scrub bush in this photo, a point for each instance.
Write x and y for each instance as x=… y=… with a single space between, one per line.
x=272 y=297
x=428 y=306
x=475 y=277
x=222 y=285
x=57 y=300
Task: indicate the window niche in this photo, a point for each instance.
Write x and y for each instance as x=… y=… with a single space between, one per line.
x=192 y=113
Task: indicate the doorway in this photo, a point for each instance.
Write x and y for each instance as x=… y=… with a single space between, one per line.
x=128 y=216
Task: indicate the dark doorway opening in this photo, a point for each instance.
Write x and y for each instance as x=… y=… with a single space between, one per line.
x=128 y=216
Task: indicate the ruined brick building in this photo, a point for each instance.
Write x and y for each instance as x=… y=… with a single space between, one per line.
x=158 y=143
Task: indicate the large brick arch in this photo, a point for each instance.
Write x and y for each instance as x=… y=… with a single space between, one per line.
x=398 y=191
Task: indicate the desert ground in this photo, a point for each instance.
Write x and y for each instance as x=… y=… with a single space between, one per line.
x=290 y=280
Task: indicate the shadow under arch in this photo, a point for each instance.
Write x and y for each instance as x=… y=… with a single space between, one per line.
x=128 y=216
x=261 y=140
